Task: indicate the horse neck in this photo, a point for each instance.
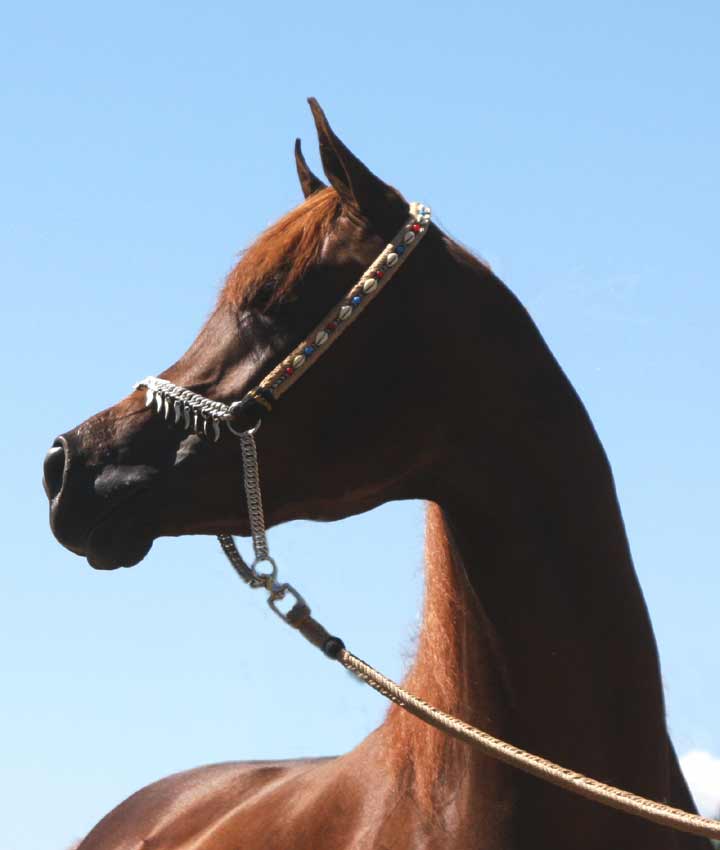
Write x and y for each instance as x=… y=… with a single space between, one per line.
x=572 y=645
x=534 y=623
x=553 y=571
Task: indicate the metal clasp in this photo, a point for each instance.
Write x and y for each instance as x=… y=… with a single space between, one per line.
x=280 y=591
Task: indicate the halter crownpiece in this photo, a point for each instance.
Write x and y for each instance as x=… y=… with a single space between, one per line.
x=197 y=413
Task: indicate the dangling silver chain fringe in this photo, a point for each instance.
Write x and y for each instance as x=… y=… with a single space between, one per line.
x=193 y=411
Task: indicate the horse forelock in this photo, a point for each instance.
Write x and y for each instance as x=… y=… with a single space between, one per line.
x=283 y=253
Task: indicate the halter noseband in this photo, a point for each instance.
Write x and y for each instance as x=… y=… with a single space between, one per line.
x=204 y=416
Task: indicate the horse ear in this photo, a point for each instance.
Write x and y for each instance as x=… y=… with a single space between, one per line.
x=382 y=205
x=309 y=182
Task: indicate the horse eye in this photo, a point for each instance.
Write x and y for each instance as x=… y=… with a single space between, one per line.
x=266 y=292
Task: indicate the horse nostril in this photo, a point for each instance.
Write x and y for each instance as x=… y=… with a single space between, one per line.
x=54 y=469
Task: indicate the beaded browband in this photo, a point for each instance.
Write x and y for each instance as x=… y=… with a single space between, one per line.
x=197 y=413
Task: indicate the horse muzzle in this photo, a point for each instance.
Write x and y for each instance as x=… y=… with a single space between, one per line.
x=96 y=510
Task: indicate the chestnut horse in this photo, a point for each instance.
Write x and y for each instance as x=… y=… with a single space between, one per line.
x=534 y=626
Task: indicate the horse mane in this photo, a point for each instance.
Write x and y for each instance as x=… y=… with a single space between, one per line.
x=453 y=633
x=457 y=653
x=282 y=254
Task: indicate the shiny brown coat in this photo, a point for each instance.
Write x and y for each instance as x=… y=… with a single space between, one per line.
x=534 y=625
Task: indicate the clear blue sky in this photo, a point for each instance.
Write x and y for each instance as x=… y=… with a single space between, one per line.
x=575 y=146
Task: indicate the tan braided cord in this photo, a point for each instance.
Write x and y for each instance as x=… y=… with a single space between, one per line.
x=537 y=766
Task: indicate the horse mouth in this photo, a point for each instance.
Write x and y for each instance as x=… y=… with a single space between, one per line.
x=121 y=538
x=117 y=542
x=112 y=517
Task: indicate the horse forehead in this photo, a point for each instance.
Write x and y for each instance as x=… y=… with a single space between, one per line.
x=286 y=249
x=349 y=241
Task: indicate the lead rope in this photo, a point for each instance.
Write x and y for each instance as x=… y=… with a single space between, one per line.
x=299 y=617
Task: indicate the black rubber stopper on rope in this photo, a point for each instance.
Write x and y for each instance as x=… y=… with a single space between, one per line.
x=332 y=647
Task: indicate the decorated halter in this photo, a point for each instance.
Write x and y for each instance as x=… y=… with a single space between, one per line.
x=204 y=416
x=197 y=413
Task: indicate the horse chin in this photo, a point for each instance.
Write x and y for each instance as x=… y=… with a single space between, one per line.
x=117 y=543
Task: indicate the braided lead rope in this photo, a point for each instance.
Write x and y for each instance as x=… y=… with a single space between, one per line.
x=299 y=617
x=555 y=774
x=200 y=414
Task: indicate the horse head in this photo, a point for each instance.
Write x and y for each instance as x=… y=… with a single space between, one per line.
x=371 y=422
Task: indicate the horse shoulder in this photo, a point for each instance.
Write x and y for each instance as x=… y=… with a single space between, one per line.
x=215 y=807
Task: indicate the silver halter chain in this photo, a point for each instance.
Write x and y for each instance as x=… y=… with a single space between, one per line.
x=250 y=573
x=196 y=413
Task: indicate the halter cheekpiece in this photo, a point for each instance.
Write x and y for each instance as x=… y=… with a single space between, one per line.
x=204 y=416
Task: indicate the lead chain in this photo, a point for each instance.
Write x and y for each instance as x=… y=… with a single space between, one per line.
x=249 y=573
x=253 y=495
